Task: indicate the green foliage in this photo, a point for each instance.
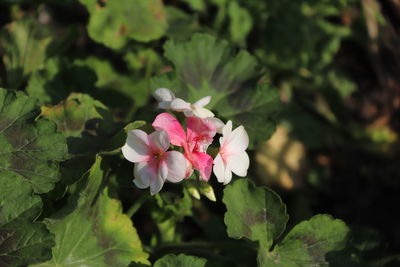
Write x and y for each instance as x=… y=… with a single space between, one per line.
x=28 y=165
x=116 y=22
x=308 y=243
x=264 y=221
x=86 y=123
x=89 y=68
x=229 y=79
x=180 y=260
x=259 y=215
x=92 y=231
x=29 y=149
x=25 y=43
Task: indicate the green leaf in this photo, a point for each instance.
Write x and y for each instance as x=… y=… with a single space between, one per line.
x=180 y=260
x=29 y=149
x=22 y=241
x=181 y=24
x=86 y=123
x=241 y=22
x=206 y=66
x=95 y=232
x=257 y=111
x=254 y=212
x=25 y=42
x=58 y=78
x=115 y=22
x=27 y=165
x=307 y=244
x=117 y=90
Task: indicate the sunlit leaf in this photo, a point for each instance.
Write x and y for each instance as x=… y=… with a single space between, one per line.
x=241 y=22
x=29 y=149
x=253 y=212
x=86 y=123
x=115 y=22
x=28 y=165
x=307 y=244
x=93 y=231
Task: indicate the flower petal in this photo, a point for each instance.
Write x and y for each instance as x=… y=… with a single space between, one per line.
x=159 y=141
x=219 y=168
x=200 y=131
x=203 y=163
x=163 y=94
x=239 y=163
x=177 y=166
x=136 y=148
x=171 y=125
x=202 y=112
x=143 y=174
x=218 y=124
x=227 y=176
x=237 y=141
x=202 y=102
x=179 y=104
x=157 y=182
x=226 y=131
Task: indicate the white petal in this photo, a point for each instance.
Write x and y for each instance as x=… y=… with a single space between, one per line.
x=157 y=182
x=179 y=104
x=219 y=168
x=202 y=112
x=142 y=174
x=202 y=102
x=228 y=176
x=239 y=163
x=159 y=141
x=237 y=141
x=219 y=125
x=163 y=94
x=177 y=166
x=136 y=148
x=226 y=131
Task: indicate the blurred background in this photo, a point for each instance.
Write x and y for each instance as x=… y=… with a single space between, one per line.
x=335 y=63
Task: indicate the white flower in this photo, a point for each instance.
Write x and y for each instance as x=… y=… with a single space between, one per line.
x=232 y=156
x=167 y=100
x=153 y=163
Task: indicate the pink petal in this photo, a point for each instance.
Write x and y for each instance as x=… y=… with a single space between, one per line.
x=159 y=141
x=171 y=125
x=136 y=148
x=177 y=166
x=200 y=131
x=203 y=163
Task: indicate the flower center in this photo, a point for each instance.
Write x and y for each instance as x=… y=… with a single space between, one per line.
x=158 y=155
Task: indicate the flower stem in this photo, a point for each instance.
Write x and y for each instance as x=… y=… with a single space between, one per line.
x=138 y=203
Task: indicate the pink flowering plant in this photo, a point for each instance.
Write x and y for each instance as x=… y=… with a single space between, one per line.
x=154 y=165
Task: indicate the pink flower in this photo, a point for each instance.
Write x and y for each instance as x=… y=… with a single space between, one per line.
x=153 y=163
x=199 y=135
x=232 y=156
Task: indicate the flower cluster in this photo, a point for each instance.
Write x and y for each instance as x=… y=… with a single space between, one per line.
x=155 y=161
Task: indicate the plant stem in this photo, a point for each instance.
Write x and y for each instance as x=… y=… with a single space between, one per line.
x=138 y=203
